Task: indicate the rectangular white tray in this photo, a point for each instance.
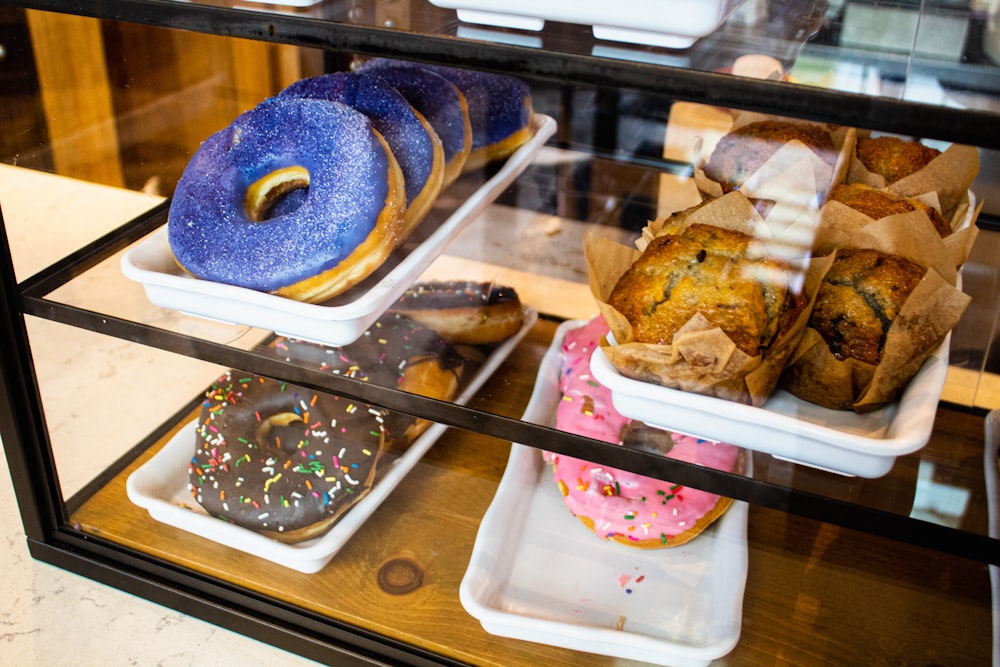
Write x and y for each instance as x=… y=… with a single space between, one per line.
x=161 y=487
x=538 y=574
x=152 y=263
x=787 y=427
x=674 y=24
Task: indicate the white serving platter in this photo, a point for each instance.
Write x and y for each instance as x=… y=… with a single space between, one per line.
x=537 y=573
x=152 y=263
x=674 y=24
x=161 y=487
x=787 y=427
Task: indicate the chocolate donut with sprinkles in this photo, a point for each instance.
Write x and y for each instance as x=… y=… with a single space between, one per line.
x=281 y=459
x=396 y=352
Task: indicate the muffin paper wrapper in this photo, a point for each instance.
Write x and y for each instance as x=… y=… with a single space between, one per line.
x=701 y=358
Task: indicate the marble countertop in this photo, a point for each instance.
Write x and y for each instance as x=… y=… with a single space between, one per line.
x=49 y=616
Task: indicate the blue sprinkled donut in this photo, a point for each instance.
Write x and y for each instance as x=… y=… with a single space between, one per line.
x=224 y=224
x=440 y=102
x=410 y=137
x=500 y=110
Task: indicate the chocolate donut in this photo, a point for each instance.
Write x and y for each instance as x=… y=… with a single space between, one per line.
x=281 y=459
x=470 y=312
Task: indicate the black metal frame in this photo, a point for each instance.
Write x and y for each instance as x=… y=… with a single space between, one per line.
x=22 y=423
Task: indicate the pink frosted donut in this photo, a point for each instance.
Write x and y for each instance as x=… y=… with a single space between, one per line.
x=239 y=216
x=616 y=504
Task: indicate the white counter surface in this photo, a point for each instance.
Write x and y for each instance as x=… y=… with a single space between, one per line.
x=49 y=616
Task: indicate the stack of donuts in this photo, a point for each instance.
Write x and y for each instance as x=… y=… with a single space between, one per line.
x=287 y=461
x=308 y=193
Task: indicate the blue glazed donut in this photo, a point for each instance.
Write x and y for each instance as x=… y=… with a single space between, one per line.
x=410 y=137
x=499 y=106
x=223 y=223
x=438 y=100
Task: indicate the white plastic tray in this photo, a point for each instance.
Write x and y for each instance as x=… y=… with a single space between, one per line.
x=161 y=487
x=152 y=263
x=674 y=24
x=788 y=427
x=538 y=574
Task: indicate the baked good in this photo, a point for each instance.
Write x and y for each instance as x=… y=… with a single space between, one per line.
x=281 y=459
x=499 y=106
x=500 y=112
x=413 y=142
x=464 y=311
x=438 y=100
x=858 y=300
x=396 y=352
x=707 y=270
x=618 y=505
x=893 y=158
x=343 y=228
x=878 y=204
x=742 y=151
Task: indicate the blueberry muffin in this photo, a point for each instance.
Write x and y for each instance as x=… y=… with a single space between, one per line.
x=893 y=158
x=878 y=204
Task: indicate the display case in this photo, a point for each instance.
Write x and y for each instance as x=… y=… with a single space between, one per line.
x=462 y=552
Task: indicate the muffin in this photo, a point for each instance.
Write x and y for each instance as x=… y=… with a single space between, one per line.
x=859 y=299
x=893 y=158
x=878 y=204
x=706 y=270
x=741 y=152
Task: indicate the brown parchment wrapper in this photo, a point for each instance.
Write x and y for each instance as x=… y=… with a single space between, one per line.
x=701 y=358
x=931 y=311
x=794 y=178
x=949 y=175
x=841 y=226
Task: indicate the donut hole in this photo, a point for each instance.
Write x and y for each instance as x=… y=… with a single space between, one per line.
x=277 y=193
x=283 y=429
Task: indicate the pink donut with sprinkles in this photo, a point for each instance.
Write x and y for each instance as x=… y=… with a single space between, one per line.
x=280 y=459
x=618 y=505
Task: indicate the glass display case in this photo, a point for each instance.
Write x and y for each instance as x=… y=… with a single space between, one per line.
x=851 y=538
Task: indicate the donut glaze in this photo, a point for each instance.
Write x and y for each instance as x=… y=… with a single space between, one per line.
x=464 y=311
x=440 y=102
x=410 y=137
x=395 y=352
x=616 y=504
x=339 y=232
x=500 y=111
x=282 y=459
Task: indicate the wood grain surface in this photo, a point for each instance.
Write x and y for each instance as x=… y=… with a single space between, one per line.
x=816 y=594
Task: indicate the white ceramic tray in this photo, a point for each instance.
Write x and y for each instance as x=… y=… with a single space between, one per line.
x=991 y=452
x=789 y=428
x=161 y=487
x=674 y=24
x=152 y=263
x=537 y=573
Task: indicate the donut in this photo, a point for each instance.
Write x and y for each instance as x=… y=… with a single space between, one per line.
x=500 y=110
x=220 y=226
x=410 y=137
x=438 y=100
x=396 y=352
x=470 y=312
x=618 y=505
x=281 y=459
